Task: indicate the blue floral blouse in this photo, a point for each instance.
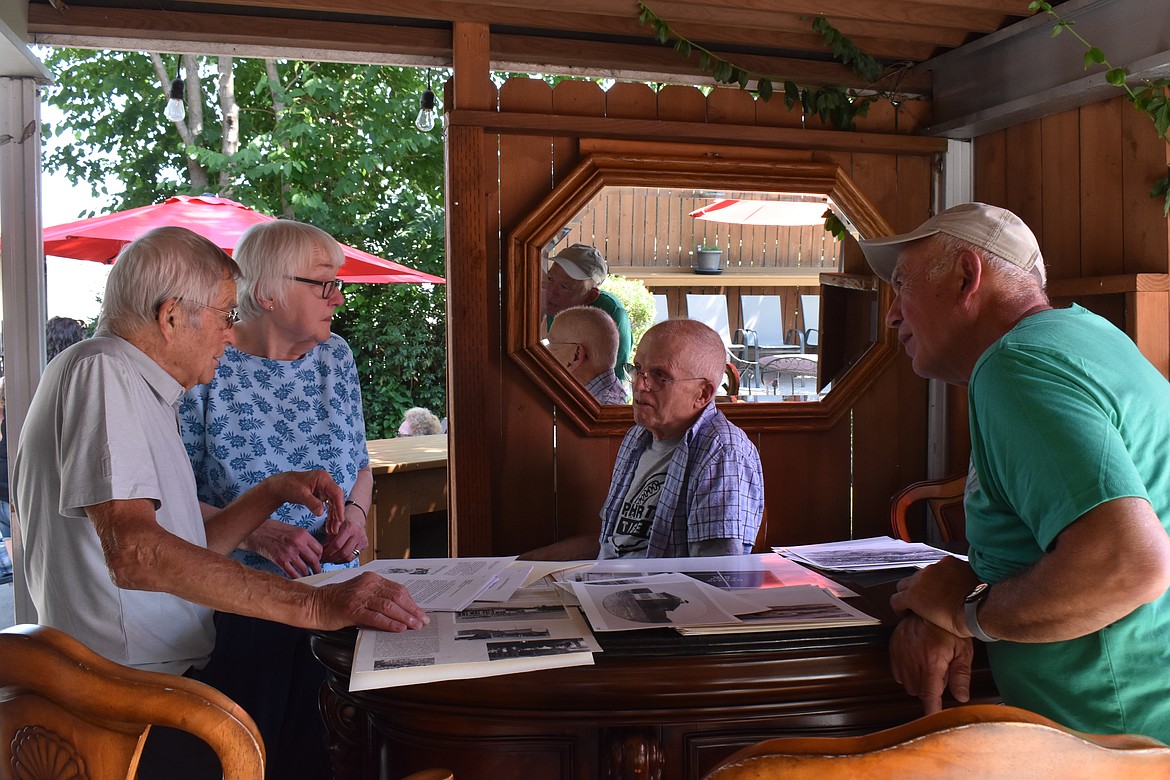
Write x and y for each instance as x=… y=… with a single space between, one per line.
x=260 y=417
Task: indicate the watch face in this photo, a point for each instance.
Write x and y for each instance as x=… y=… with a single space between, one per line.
x=977 y=593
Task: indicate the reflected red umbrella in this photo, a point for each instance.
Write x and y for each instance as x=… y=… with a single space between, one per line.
x=763 y=212
x=218 y=219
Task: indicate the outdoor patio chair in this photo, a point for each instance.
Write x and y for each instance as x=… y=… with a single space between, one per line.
x=661 y=308
x=763 y=327
x=711 y=310
x=810 y=313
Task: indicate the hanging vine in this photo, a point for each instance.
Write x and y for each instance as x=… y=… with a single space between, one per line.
x=835 y=106
x=1149 y=97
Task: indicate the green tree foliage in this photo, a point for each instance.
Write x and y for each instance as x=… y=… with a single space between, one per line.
x=330 y=144
x=639 y=303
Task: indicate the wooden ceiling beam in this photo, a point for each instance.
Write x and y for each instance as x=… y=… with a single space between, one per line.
x=588 y=15
x=203 y=33
x=1023 y=72
x=636 y=63
x=387 y=44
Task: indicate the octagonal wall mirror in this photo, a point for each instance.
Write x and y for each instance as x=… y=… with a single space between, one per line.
x=648 y=216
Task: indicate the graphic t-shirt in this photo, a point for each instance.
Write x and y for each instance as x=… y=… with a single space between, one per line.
x=632 y=530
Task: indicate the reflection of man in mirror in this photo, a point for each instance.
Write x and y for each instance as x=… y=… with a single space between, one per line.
x=585 y=341
x=573 y=278
x=686 y=482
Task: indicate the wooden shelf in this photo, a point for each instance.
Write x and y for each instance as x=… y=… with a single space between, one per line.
x=1108 y=285
x=732 y=277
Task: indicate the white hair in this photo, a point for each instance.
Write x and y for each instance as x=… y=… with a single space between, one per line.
x=270 y=253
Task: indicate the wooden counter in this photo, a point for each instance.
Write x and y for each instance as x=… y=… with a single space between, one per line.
x=653 y=705
x=410 y=478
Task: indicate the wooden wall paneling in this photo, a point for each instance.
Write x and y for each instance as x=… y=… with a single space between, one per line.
x=731 y=105
x=889 y=452
x=682 y=104
x=525 y=452
x=1026 y=192
x=889 y=434
x=1147 y=321
x=1060 y=235
x=578 y=98
x=626 y=100
x=584 y=466
x=806 y=485
x=473 y=356
x=1145 y=230
x=774 y=113
x=991 y=168
x=1101 y=196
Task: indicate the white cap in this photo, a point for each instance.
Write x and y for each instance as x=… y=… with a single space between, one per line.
x=997 y=230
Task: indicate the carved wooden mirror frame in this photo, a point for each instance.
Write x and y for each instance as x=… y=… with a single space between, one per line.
x=598 y=170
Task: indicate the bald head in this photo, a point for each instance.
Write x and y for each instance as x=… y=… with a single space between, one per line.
x=594 y=335
x=698 y=347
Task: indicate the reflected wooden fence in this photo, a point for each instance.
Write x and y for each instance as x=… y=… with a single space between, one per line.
x=650 y=227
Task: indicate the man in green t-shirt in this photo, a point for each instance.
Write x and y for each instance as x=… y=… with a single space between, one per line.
x=1068 y=496
x=573 y=277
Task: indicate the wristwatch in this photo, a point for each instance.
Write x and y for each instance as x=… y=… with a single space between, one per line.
x=971 y=612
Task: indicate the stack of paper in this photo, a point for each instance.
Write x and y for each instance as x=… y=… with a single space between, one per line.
x=879 y=552
x=483 y=641
x=447 y=584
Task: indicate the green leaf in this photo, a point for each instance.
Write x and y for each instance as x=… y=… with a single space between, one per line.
x=1116 y=76
x=764 y=88
x=1093 y=56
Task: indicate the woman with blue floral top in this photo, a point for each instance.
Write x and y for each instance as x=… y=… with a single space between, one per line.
x=285 y=398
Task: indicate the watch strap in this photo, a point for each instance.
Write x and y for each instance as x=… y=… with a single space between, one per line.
x=971 y=616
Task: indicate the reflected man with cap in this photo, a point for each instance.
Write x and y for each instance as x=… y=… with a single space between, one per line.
x=1068 y=496
x=573 y=277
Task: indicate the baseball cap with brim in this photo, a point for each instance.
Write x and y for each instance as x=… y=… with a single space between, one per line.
x=997 y=230
x=581 y=261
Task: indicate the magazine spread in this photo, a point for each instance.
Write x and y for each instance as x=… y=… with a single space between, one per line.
x=484 y=640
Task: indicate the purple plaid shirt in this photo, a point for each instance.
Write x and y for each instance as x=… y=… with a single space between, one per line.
x=607 y=389
x=714 y=487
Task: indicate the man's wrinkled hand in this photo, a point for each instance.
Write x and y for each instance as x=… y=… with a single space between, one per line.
x=927 y=661
x=368 y=601
x=314 y=490
x=936 y=594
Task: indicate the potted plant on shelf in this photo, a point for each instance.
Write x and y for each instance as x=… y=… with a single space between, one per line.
x=710 y=259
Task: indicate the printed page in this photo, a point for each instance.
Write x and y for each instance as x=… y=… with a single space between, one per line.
x=479 y=642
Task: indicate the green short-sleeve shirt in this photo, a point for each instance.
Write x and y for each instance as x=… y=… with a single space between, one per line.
x=1066 y=414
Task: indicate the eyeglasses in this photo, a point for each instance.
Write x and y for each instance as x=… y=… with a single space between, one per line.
x=230 y=316
x=655 y=379
x=327 y=287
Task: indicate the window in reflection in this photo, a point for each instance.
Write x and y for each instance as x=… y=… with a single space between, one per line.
x=745 y=262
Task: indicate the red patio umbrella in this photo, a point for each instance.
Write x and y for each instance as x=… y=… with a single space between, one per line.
x=218 y=219
x=763 y=212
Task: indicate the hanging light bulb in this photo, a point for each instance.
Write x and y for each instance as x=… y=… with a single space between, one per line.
x=425 y=121
x=175 y=110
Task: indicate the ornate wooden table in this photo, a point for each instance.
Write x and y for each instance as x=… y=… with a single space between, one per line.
x=654 y=705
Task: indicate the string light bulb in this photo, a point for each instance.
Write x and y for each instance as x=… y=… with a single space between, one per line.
x=175 y=110
x=425 y=121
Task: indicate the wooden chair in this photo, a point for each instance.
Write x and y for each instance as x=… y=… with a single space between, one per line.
x=984 y=741
x=66 y=711
x=944 y=497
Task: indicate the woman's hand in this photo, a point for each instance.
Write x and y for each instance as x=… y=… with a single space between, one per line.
x=290 y=547
x=350 y=538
